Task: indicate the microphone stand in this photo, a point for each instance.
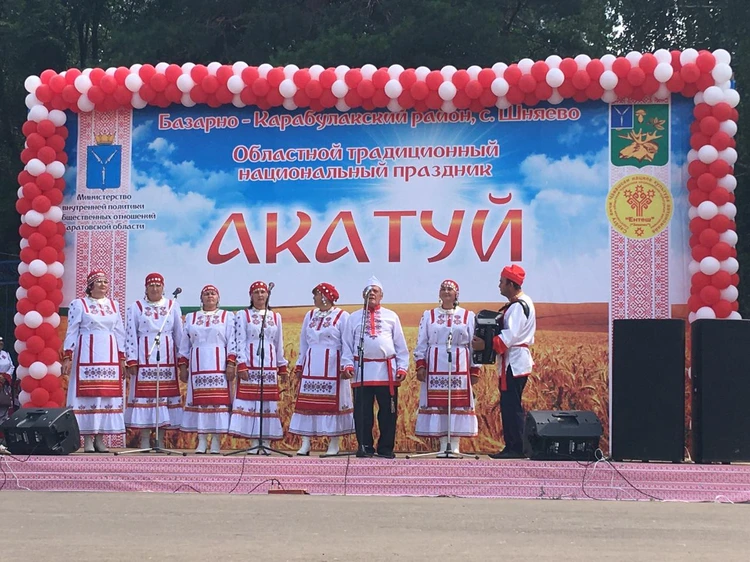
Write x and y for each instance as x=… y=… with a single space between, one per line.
x=157 y=345
x=260 y=448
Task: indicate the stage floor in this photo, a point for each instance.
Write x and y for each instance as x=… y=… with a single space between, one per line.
x=483 y=478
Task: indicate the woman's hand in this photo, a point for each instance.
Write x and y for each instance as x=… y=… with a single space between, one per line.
x=421 y=374
x=67 y=363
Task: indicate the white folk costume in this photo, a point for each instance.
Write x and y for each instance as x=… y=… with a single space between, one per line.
x=208 y=341
x=95 y=342
x=144 y=320
x=435 y=329
x=324 y=404
x=245 y=421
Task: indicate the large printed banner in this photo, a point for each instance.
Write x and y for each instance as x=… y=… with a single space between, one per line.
x=589 y=198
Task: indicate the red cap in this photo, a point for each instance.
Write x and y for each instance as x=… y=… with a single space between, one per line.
x=258 y=285
x=328 y=291
x=95 y=275
x=210 y=288
x=154 y=279
x=515 y=273
x=450 y=283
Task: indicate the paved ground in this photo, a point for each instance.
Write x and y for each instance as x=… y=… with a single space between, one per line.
x=60 y=526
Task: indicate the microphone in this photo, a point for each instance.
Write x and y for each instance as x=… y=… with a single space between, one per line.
x=368 y=291
x=176 y=292
x=271 y=285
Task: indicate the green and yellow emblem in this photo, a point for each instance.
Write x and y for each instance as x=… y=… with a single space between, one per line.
x=639 y=135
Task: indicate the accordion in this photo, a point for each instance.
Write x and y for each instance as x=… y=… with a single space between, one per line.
x=487 y=325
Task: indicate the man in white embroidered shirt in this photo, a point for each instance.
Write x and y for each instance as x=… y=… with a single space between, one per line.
x=517 y=328
x=386 y=360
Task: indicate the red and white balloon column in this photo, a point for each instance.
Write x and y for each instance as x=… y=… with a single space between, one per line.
x=705 y=76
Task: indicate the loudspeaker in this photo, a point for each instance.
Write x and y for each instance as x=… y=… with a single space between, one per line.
x=721 y=386
x=42 y=431
x=648 y=390
x=556 y=435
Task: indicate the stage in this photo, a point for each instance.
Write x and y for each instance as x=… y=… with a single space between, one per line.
x=483 y=478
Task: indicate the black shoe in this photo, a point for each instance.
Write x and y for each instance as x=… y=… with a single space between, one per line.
x=507 y=454
x=386 y=455
x=365 y=452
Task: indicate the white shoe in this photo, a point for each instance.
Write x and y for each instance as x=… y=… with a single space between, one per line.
x=253 y=444
x=145 y=438
x=88 y=444
x=99 y=445
x=215 y=444
x=443 y=444
x=202 y=444
x=455 y=445
x=333 y=446
x=267 y=443
x=304 y=450
x=160 y=438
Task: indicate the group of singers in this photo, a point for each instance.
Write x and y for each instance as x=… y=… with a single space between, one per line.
x=232 y=363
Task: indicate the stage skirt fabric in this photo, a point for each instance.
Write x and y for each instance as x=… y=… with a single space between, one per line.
x=245 y=421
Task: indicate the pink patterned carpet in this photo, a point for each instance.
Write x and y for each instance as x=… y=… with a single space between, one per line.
x=483 y=478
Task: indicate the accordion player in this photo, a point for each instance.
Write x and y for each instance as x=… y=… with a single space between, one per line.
x=487 y=324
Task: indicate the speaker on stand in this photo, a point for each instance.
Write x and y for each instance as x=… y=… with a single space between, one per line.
x=42 y=431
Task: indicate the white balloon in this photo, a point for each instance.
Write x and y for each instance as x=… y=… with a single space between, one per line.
x=32 y=83
x=662 y=93
x=734 y=315
x=138 y=102
x=726 y=85
x=265 y=68
x=499 y=68
x=553 y=61
x=37 y=370
x=237 y=67
x=730 y=293
x=35 y=167
x=186 y=100
x=728 y=210
x=499 y=87
x=698 y=98
x=395 y=70
x=137 y=67
x=691 y=317
x=729 y=127
x=18 y=319
x=687 y=56
x=692 y=212
x=729 y=155
x=236 y=100
x=609 y=96
x=341 y=71
x=23 y=267
x=287 y=88
x=289 y=104
x=161 y=67
x=421 y=72
x=608 y=80
x=56 y=169
x=23 y=396
x=213 y=67
x=394 y=107
x=705 y=313
x=87 y=71
x=19 y=195
x=663 y=72
x=502 y=103
x=54 y=214
x=732 y=97
x=722 y=72
x=34 y=218
x=339 y=88
x=290 y=70
x=693 y=267
x=38 y=113
x=713 y=95
x=56 y=268
x=692 y=155
x=448 y=71
x=133 y=82
x=448 y=107
x=342 y=106
x=53 y=319
x=707 y=154
x=607 y=60
x=57 y=117
x=554 y=78
x=37 y=268
x=728 y=182
x=393 y=88
x=730 y=265
x=55 y=369
x=19 y=345
x=524 y=65
x=185 y=83
x=729 y=237
x=707 y=210
x=235 y=84
x=85 y=104
x=474 y=70
x=21 y=293
x=662 y=55
x=634 y=57
x=32 y=101
x=33 y=319
x=582 y=61
x=369 y=69
x=447 y=91
x=722 y=56
x=710 y=265
x=82 y=83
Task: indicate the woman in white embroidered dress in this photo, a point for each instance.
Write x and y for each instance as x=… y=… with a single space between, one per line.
x=94 y=357
x=246 y=409
x=324 y=404
x=446 y=327
x=145 y=318
x=208 y=349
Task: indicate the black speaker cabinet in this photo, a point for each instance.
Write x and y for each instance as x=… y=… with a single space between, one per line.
x=648 y=390
x=561 y=435
x=720 y=357
x=42 y=431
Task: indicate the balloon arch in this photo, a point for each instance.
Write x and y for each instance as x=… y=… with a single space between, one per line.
x=705 y=76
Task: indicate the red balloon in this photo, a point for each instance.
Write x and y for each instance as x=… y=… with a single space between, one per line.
x=48 y=356
x=27 y=154
x=621 y=67
x=122 y=73
x=700 y=280
x=719 y=168
x=698 y=225
x=44 y=93
x=709 y=125
x=48 y=255
x=581 y=79
x=735 y=279
x=36 y=294
x=434 y=79
x=543 y=91
x=696 y=197
x=47 y=228
x=568 y=67
x=689 y=90
x=223 y=73
x=698 y=140
x=261 y=87
x=705 y=61
x=24 y=305
x=24 y=177
x=70 y=94
x=275 y=76
x=35 y=141
x=720 y=140
x=354 y=76
x=700 y=252
x=648 y=63
x=37 y=241
x=301 y=78
x=46 y=331
x=41 y=204
x=328 y=100
x=56 y=297
x=694 y=303
x=722 y=308
x=301 y=99
x=29 y=384
x=704 y=81
x=432 y=101
x=566 y=89
x=58 y=396
x=707 y=182
x=539 y=71
x=722 y=111
x=514 y=95
x=249 y=75
x=46 y=128
x=26 y=358
x=45 y=181
x=512 y=75
x=710 y=295
x=636 y=76
x=595 y=69
x=49 y=382
x=488 y=99
x=55 y=197
x=721 y=251
x=28 y=128
x=701 y=111
x=720 y=280
x=676 y=83
x=23 y=206
x=46 y=308
x=55 y=142
x=624 y=89
x=210 y=84
x=690 y=73
x=27 y=280
x=96 y=94
x=474 y=88
x=39 y=397
x=720 y=223
x=708 y=238
x=31 y=190
x=108 y=83
x=273 y=98
x=379 y=79
x=199 y=96
x=35 y=344
x=418 y=91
